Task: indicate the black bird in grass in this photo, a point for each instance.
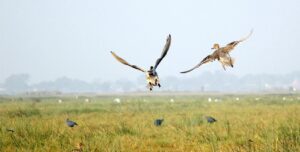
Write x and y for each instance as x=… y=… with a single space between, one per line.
x=158 y=122
x=210 y=119
x=10 y=130
x=71 y=123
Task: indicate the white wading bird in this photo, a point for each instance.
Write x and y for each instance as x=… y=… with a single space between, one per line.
x=151 y=75
x=221 y=54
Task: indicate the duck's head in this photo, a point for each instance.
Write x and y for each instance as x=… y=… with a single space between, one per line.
x=215 y=46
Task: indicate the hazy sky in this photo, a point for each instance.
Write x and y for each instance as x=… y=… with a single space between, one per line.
x=54 y=38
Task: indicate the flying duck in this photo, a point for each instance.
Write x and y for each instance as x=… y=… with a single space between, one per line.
x=221 y=54
x=151 y=74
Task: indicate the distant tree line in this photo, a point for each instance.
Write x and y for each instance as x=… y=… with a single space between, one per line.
x=206 y=81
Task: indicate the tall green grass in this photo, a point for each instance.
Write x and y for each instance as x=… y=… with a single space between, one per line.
x=269 y=124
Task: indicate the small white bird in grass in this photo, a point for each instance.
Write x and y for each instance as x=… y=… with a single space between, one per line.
x=217 y=100
x=221 y=54
x=257 y=99
x=172 y=100
x=237 y=98
x=209 y=99
x=87 y=100
x=283 y=98
x=59 y=101
x=151 y=74
x=117 y=100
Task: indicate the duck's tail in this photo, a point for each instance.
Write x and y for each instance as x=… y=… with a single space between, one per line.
x=227 y=61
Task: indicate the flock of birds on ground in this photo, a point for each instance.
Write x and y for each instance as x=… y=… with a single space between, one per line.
x=157 y=122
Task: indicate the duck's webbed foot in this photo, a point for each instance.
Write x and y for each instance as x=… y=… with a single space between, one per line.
x=150 y=86
x=231 y=63
x=224 y=67
x=157 y=83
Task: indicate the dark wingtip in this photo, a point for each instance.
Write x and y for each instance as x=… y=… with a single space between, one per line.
x=112 y=53
x=169 y=37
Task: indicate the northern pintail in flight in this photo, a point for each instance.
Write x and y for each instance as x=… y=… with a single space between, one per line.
x=151 y=74
x=221 y=54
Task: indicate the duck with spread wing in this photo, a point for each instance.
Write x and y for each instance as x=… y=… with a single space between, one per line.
x=221 y=54
x=151 y=75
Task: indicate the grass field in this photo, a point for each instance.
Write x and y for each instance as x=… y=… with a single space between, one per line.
x=267 y=123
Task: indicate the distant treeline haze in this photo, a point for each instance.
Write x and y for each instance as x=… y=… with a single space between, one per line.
x=206 y=81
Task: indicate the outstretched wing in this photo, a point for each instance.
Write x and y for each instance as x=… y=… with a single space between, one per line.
x=245 y=38
x=164 y=52
x=207 y=59
x=125 y=62
x=230 y=46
